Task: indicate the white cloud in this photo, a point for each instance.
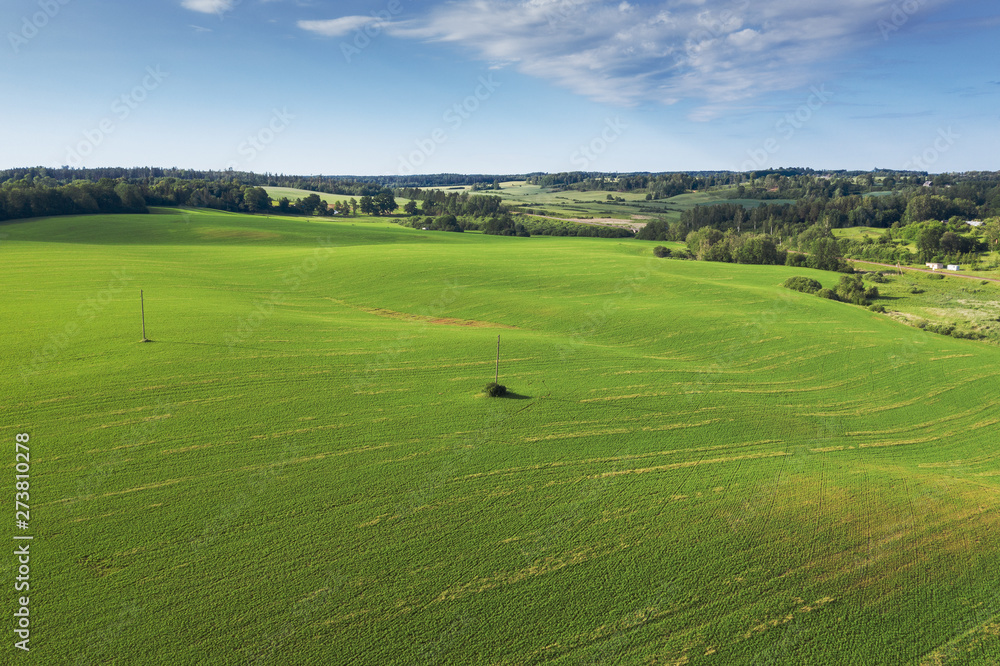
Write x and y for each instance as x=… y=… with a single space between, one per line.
x=716 y=52
x=209 y=6
x=339 y=26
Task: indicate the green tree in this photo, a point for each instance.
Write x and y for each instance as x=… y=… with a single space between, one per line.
x=309 y=204
x=929 y=241
x=255 y=199
x=131 y=198
x=756 y=250
x=991 y=231
x=824 y=254
x=385 y=203
x=367 y=205
x=950 y=242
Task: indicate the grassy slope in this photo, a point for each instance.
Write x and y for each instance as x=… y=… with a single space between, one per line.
x=593 y=203
x=967 y=304
x=699 y=464
x=293 y=193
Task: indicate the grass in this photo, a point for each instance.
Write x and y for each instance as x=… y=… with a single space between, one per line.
x=292 y=193
x=557 y=202
x=919 y=298
x=696 y=463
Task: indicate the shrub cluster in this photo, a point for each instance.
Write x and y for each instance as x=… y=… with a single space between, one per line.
x=851 y=289
x=827 y=293
x=495 y=390
x=795 y=259
x=803 y=284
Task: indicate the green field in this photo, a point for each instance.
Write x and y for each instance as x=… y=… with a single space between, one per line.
x=695 y=465
x=920 y=298
x=292 y=193
x=557 y=202
x=854 y=233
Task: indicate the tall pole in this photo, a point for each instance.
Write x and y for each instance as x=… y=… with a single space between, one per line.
x=496 y=379
x=142 y=308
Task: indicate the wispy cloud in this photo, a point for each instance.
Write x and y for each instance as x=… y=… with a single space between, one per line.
x=198 y=28
x=209 y=6
x=338 y=27
x=716 y=52
x=893 y=115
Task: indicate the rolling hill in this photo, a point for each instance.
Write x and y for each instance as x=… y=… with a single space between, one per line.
x=695 y=464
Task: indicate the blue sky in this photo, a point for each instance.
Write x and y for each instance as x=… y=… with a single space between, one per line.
x=501 y=86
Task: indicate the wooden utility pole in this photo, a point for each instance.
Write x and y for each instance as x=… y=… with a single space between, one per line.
x=496 y=380
x=142 y=309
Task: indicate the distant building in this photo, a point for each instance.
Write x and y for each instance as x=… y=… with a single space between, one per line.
x=954 y=267
x=935 y=266
x=928 y=183
x=975 y=223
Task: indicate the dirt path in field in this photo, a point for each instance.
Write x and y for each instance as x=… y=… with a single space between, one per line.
x=602 y=221
x=925 y=270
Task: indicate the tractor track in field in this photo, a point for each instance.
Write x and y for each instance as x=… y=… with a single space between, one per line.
x=819 y=510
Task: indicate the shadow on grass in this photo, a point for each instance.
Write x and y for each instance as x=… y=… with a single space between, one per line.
x=510 y=395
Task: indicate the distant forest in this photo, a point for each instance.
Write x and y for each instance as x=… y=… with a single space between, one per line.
x=759 y=200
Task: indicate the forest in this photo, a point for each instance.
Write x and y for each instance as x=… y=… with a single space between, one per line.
x=790 y=207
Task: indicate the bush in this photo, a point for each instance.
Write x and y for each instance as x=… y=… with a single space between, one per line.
x=877 y=307
x=661 y=251
x=968 y=335
x=827 y=293
x=795 y=259
x=941 y=329
x=916 y=290
x=877 y=278
x=495 y=390
x=852 y=290
x=803 y=284
x=936 y=276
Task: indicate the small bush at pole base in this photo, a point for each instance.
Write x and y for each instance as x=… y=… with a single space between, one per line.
x=495 y=390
